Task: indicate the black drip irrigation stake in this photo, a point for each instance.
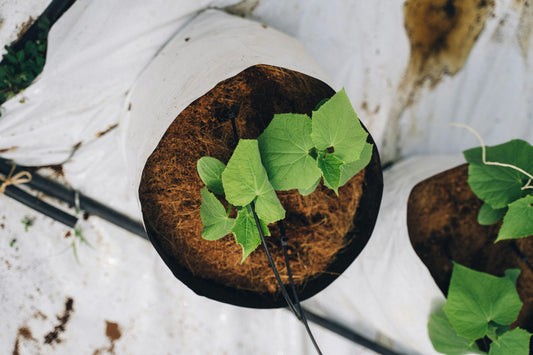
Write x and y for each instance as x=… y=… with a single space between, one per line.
x=295 y=309
x=71 y=197
x=285 y=244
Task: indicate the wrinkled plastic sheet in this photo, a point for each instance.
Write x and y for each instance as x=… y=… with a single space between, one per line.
x=69 y=116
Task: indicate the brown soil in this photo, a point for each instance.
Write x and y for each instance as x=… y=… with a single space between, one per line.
x=170 y=186
x=442 y=223
x=23 y=333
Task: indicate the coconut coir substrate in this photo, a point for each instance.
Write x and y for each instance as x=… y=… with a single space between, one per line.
x=242 y=107
x=442 y=222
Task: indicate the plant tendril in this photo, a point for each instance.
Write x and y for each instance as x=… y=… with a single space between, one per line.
x=484 y=156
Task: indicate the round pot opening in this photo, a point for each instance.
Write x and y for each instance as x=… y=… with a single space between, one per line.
x=326 y=233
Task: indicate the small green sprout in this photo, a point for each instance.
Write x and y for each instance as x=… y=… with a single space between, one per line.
x=78 y=236
x=27 y=222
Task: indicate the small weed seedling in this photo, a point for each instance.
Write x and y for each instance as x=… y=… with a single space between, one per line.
x=78 y=235
x=294 y=152
x=479 y=306
x=19 y=68
x=27 y=222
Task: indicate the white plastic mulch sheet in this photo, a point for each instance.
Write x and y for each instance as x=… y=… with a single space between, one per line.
x=120 y=297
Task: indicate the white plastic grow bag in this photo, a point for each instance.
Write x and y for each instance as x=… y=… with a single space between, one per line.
x=212 y=48
x=388 y=286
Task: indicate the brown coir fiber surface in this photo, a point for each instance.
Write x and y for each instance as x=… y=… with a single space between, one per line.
x=170 y=186
x=442 y=222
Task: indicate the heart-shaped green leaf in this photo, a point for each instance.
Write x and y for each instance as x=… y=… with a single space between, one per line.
x=214 y=217
x=246 y=233
x=210 y=171
x=445 y=340
x=488 y=215
x=285 y=145
x=349 y=170
x=515 y=342
x=476 y=298
x=245 y=180
x=331 y=170
x=518 y=221
x=335 y=124
x=497 y=185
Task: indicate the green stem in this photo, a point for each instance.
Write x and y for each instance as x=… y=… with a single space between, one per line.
x=229 y=209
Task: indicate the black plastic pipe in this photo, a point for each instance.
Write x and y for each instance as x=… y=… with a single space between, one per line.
x=62 y=193
x=40 y=206
x=348 y=333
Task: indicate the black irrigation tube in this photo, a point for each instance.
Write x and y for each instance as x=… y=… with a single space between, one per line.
x=348 y=333
x=294 y=305
x=64 y=194
x=40 y=206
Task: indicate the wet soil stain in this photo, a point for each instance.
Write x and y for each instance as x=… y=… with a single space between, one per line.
x=441 y=34
x=24 y=333
x=5 y=150
x=53 y=336
x=113 y=333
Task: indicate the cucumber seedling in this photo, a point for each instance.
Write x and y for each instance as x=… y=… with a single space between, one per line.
x=293 y=152
x=480 y=306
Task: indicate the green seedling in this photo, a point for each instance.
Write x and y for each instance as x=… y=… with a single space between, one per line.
x=480 y=306
x=294 y=152
x=78 y=236
x=27 y=222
